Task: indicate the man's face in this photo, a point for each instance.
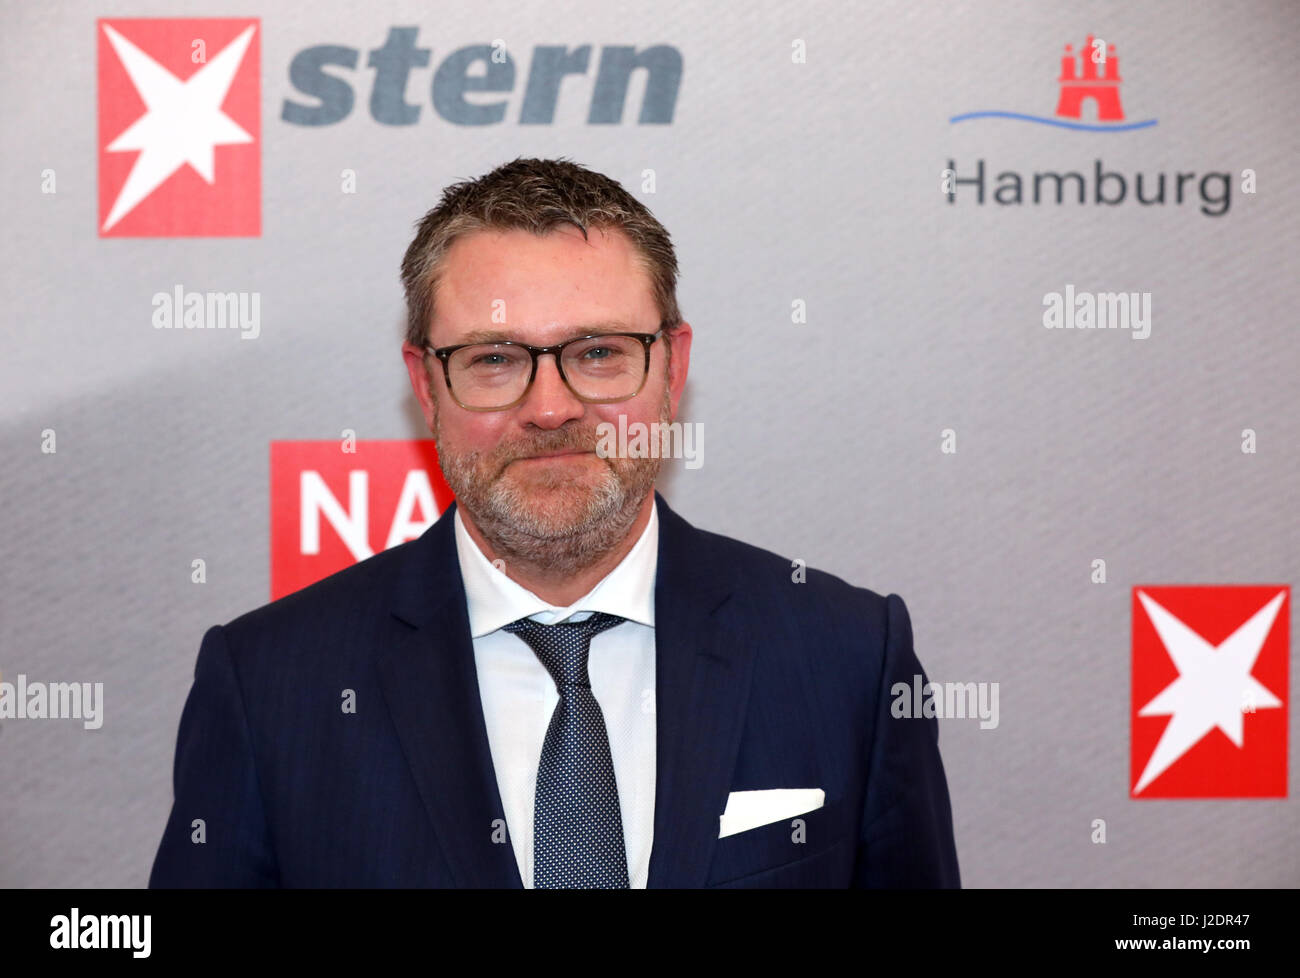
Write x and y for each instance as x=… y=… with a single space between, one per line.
x=505 y=466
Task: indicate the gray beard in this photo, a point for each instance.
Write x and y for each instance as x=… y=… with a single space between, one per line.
x=521 y=530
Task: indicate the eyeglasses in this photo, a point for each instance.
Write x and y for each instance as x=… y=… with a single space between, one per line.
x=600 y=368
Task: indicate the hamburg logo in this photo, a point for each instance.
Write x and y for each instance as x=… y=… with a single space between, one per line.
x=1209 y=709
x=179 y=128
x=1091 y=76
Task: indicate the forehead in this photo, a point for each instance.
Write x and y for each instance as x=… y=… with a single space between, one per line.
x=541 y=287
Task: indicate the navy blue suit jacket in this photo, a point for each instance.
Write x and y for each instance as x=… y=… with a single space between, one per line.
x=761 y=683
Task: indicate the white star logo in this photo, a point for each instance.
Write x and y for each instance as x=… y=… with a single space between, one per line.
x=183 y=121
x=1214 y=684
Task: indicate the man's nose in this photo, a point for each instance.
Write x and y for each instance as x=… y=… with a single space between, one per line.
x=549 y=402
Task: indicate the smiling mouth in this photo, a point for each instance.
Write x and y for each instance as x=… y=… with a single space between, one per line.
x=534 y=458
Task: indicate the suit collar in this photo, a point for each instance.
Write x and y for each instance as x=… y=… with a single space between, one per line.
x=494 y=600
x=430 y=576
x=703 y=666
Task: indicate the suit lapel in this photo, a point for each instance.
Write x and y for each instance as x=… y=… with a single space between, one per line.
x=703 y=668
x=430 y=684
x=703 y=665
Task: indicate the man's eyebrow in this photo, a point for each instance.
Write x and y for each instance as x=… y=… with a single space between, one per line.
x=502 y=336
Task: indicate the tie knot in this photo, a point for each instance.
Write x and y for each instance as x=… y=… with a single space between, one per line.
x=563 y=648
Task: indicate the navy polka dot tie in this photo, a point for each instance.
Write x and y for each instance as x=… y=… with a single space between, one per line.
x=577 y=824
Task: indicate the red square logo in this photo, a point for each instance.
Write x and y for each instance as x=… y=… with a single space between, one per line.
x=1209 y=710
x=334 y=503
x=180 y=149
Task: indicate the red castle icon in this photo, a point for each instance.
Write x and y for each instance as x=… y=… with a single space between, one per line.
x=1104 y=89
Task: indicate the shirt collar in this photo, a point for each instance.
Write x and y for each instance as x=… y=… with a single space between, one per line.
x=495 y=600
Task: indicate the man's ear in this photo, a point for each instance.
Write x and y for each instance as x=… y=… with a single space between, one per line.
x=421 y=366
x=678 y=354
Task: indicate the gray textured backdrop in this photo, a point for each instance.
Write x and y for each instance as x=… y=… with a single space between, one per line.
x=778 y=181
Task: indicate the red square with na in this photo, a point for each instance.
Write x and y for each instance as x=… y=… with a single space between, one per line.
x=1210 y=693
x=179 y=144
x=334 y=503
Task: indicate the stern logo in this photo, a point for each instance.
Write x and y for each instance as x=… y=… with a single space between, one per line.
x=179 y=128
x=1209 y=709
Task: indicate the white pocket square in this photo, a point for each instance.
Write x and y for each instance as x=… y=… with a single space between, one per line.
x=750 y=809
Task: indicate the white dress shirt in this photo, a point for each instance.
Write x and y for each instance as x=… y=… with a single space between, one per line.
x=519 y=696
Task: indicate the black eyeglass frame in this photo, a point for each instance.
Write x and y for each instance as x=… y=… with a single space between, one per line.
x=444 y=353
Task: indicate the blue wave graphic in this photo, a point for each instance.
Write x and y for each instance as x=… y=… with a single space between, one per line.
x=1043 y=120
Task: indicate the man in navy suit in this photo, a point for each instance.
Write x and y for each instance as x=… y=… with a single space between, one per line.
x=561 y=683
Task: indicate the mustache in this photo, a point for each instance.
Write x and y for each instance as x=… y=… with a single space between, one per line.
x=546 y=443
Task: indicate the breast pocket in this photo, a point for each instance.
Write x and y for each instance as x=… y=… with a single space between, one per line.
x=784 y=841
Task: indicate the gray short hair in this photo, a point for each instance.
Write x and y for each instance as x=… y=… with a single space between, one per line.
x=538 y=196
